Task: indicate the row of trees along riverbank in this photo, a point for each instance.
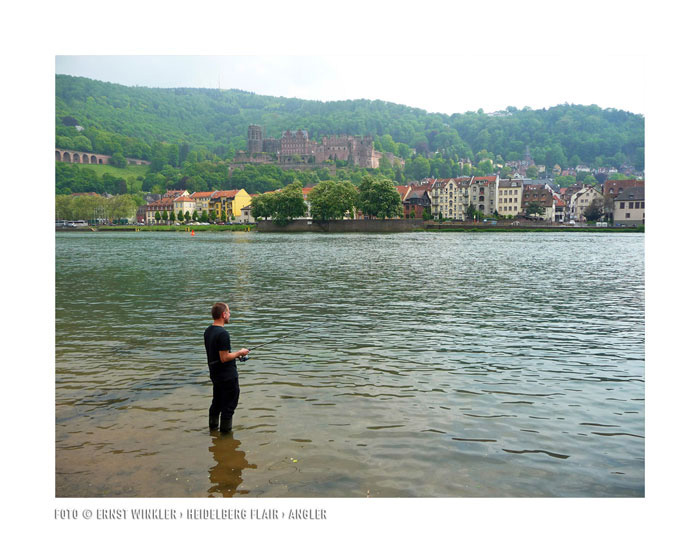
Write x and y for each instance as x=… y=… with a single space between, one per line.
x=330 y=200
x=95 y=207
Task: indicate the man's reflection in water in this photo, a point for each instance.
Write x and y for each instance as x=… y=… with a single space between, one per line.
x=226 y=475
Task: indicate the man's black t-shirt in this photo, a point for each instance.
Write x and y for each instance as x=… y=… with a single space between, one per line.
x=216 y=339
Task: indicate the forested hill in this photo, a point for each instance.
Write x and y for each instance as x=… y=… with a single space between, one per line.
x=133 y=119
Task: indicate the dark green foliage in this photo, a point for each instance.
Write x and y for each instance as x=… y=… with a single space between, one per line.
x=594 y=211
x=137 y=120
x=281 y=206
x=378 y=198
x=332 y=200
x=534 y=208
x=118 y=160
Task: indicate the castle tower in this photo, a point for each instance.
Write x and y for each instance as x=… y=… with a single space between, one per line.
x=255 y=139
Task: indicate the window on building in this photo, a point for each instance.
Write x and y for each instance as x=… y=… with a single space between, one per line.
x=627 y=215
x=622 y=205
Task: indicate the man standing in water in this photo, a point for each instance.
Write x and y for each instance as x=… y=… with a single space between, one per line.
x=222 y=369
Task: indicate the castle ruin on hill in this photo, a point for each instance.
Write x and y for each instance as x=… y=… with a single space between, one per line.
x=296 y=147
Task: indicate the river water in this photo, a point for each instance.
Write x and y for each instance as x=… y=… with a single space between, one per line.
x=439 y=365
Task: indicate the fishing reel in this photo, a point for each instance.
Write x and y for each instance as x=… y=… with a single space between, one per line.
x=244 y=358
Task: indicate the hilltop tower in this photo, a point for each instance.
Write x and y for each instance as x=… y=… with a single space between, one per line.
x=255 y=139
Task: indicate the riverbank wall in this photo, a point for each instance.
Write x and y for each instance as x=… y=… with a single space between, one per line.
x=349 y=225
x=360 y=225
x=414 y=225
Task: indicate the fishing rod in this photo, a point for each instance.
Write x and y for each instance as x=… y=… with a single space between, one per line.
x=246 y=357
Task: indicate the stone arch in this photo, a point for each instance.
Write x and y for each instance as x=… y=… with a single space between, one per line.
x=76 y=158
x=86 y=159
x=99 y=161
x=58 y=155
x=93 y=160
x=66 y=157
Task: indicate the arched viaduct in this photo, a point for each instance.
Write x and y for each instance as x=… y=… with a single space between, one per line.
x=71 y=156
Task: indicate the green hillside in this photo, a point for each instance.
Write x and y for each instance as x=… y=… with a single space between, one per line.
x=137 y=120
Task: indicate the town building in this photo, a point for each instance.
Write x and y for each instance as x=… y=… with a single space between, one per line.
x=450 y=198
x=614 y=187
x=245 y=217
x=184 y=204
x=560 y=209
x=629 y=207
x=566 y=193
x=416 y=201
x=581 y=200
x=202 y=200
x=510 y=194
x=542 y=195
x=164 y=207
x=227 y=204
x=483 y=193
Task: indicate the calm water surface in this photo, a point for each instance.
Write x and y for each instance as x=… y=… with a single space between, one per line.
x=441 y=365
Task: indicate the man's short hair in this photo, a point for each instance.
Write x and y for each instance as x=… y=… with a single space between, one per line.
x=217 y=310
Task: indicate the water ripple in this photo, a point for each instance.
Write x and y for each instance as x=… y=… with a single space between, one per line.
x=438 y=365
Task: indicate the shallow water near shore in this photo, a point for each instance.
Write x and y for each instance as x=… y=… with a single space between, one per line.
x=439 y=365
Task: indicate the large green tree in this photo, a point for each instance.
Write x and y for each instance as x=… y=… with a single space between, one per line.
x=282 y=206
x=261 y=206
x=289 y=204
x=534 y=208
x=332 y=200
x=594 y=210
x=378 y=198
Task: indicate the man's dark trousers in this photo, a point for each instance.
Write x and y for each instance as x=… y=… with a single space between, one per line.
x=224 y=403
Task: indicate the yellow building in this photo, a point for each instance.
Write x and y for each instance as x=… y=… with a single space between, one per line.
x=227 y=204
x=202 y=200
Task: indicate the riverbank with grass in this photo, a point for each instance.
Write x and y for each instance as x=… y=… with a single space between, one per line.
x=386 y=226
x=160 y=228
x=531 y=229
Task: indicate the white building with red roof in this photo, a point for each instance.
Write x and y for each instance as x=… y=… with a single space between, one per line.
x=164 y=207
x=185 y=204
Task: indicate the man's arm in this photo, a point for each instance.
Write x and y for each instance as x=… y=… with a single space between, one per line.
x=225 y=356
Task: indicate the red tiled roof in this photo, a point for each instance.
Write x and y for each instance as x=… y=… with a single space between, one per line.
x=225 y=194
x=203 y=194
x=421 y=188
x=402 y=190
x=165 y=202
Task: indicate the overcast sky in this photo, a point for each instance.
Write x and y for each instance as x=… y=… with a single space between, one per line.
x=445 y=84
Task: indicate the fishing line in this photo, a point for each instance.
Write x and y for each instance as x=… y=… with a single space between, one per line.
x=246 y=357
